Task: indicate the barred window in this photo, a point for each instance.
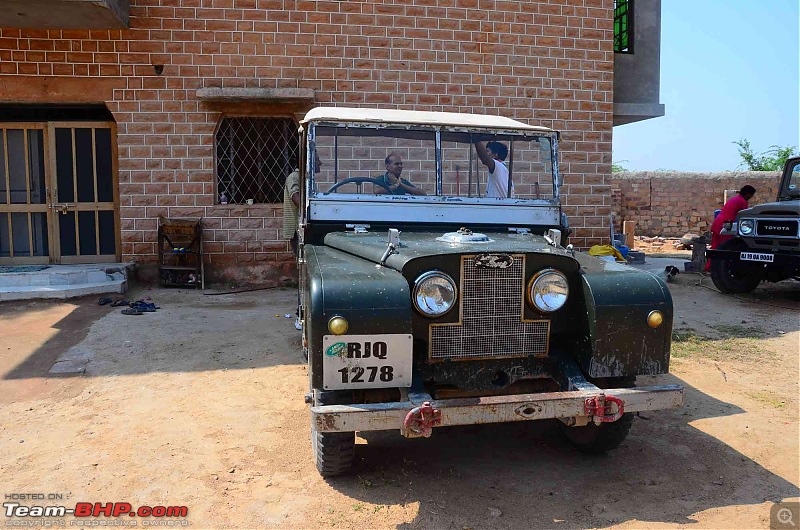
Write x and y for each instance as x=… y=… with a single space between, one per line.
x=254 y=157
x=623 y=26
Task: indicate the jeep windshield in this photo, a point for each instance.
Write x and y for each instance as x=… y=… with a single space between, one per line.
x=791 y=187
x=370 y=165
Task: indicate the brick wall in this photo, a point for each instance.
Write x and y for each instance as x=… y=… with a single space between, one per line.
x=671 y=204
x=542 y=62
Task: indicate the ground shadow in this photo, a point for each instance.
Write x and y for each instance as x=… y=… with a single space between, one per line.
x=666 y=470
x=69 y=331
x=771 y=308
x=251 y=329
x=190 y=332
x=463 y=477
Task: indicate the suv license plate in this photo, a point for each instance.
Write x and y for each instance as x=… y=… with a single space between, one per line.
x=755 y=256
x=366 y=361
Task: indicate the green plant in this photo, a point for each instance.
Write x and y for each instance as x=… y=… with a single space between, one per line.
x=768 y=398
x=734 y=343
x=773 y=159
x=735 y=331
x=616 y=167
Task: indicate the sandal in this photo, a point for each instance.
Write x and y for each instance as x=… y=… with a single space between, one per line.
x=144 y=307
x=103 y=301
x=120 y=302
x=131 y=311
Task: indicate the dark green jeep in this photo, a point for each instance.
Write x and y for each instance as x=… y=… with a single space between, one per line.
x=438 y=287
x=766 y=242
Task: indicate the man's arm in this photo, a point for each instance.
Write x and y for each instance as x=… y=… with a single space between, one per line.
x=484 y=156
x=386 y=179
x=293 y=186
x=395 y=184
x=410 y=188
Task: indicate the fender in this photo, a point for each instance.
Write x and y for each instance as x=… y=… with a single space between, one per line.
x=621 y=343
x=373 y=299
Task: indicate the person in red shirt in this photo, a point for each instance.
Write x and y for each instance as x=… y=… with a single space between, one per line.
x=728 y=215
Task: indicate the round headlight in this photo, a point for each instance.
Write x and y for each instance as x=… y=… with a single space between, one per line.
x=746 y=227
x=434 y=294
x=548 y=290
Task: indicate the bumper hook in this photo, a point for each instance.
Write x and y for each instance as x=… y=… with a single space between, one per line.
x=419 y=421
x=599 y=408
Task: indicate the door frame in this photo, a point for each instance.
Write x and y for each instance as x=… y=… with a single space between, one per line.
x=56 y=256
x=51 y=207
x=26 y=207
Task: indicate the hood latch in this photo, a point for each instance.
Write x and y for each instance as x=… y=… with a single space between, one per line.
x=357 y=229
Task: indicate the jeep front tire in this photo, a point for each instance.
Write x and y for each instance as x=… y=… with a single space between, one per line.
x=597 y=439
x=333 y=451
x=734 y=276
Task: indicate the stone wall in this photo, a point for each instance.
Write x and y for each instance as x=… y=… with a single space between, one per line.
x=670 y=203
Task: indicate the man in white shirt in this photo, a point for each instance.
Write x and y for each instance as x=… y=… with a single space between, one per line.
x=492 y=156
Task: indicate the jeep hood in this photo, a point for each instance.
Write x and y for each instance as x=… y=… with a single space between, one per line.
x=779 y=209
x=413 y=245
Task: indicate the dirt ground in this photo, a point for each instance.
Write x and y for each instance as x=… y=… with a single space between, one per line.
x=661 y=246
x=201 y=404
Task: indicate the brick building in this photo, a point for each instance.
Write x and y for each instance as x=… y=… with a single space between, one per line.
x=114 y=113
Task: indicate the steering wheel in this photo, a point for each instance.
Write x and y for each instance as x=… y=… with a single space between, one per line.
x=358 y=180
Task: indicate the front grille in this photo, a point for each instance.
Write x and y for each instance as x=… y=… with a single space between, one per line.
x=491 y=321
x=777 y=227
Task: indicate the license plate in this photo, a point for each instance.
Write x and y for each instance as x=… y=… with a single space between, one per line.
x=366 y=361
x=755 y=256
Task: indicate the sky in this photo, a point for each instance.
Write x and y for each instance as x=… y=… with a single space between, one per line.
x=730 y=70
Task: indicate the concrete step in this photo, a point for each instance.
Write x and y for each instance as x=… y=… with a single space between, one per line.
x=65 y=281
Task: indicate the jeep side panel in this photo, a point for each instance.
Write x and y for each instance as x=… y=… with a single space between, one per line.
x=373 y=300
x=622 y=344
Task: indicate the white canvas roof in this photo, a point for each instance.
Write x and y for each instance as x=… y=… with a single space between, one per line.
x=453 y=119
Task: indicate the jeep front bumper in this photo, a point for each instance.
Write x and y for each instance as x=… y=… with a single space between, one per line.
x=783 y=259
x=577 y=405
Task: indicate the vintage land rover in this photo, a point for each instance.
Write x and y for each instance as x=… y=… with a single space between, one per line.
x=429 y=301
x=766 y=243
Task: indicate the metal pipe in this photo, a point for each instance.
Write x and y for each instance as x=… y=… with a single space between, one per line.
x=469 y=180
x=438 y=150
x=510 y=167
x=336 y=156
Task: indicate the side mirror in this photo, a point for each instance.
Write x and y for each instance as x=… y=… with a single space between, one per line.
x=394 y=237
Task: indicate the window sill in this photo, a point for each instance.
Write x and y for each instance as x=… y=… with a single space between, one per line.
x=255 y=205
x=267 y=95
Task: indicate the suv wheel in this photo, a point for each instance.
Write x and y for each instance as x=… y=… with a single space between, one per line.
x=333 y=451
x=733 y=277
x=597 y=439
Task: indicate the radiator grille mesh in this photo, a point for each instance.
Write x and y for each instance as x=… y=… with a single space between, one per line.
x=491 y=317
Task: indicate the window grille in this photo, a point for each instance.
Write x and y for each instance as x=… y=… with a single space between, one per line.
x=254 y=157
x=623 y=26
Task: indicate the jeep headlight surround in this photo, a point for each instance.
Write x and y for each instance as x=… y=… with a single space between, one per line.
x=746 y=227
x=435 y=294
x=548 y=290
